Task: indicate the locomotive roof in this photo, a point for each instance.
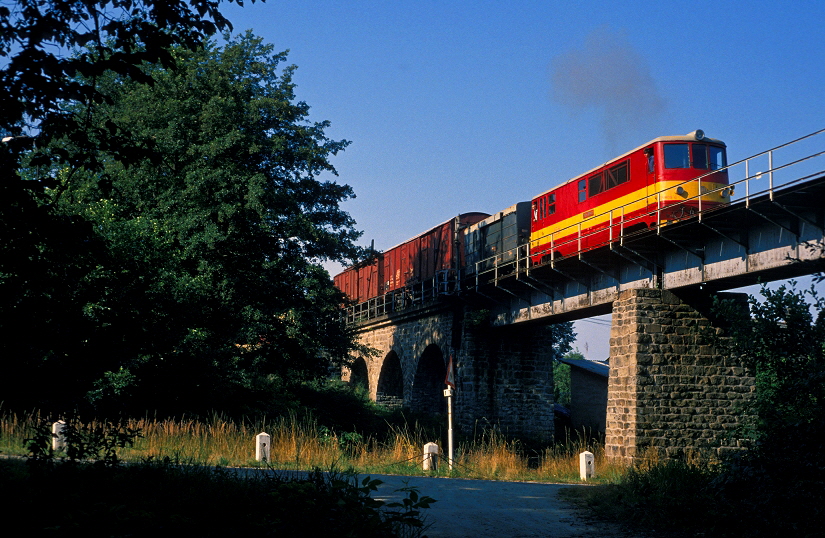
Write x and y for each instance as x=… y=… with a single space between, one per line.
x=690 y=137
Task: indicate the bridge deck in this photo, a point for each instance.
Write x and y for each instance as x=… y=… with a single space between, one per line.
x=774 y=236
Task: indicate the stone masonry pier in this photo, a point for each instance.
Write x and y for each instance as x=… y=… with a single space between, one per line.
x=670 y=390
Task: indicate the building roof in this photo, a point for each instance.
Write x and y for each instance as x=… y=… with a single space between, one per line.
x=594 y=367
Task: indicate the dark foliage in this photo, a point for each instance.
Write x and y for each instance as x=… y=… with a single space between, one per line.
x=46 y=255
x=168 y=499
x=777 y=486
x=162 y=219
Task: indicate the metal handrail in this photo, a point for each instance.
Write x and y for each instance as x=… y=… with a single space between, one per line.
x=490 y=269
x=400 y=299
x=575 y=229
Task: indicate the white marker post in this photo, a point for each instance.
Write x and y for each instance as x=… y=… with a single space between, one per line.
x=448 y=393
x=58 y=435
x=586 y=466
x=430 y=457
x=262 y=446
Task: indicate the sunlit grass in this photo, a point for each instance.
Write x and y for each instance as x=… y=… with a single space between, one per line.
x=299 y=443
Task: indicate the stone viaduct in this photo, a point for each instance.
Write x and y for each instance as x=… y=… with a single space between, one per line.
x=504 y=375
x=670 y=389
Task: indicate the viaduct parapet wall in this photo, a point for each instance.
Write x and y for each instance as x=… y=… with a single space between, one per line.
x=670 y=390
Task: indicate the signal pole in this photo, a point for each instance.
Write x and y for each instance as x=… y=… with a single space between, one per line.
x=449 y=380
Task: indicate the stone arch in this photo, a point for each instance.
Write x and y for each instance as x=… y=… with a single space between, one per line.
x=359 y=374
x=390 y=391
x=427 y=394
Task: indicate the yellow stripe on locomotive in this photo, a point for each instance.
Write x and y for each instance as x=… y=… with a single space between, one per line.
x=668 y=179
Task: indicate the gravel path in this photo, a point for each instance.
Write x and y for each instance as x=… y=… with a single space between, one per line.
x=487 y=508
x=479 y=508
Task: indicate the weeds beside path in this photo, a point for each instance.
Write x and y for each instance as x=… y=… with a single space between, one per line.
x=303 y=444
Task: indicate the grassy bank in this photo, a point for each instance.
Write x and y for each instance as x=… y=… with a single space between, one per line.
x=302 y=444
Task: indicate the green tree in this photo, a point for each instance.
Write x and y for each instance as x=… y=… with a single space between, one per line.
x=204 y=287
x=45 y=255
x=778 y=484
x=41 y=73
x=561 y=378
x=782 y=341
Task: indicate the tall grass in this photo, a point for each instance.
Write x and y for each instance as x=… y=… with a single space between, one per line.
x=299 y=443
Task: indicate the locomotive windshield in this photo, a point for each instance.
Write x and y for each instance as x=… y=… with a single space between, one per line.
x=677 y=156
x=700 y=156
x=718 y=159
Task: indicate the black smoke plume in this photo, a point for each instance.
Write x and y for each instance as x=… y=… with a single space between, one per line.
x=608 y=74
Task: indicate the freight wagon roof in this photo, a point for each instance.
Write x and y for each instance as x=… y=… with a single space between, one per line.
x=495 y=216
x=462 y=215
x=690 y=137
x=368 y=262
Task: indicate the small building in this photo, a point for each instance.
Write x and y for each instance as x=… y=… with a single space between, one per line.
x=588 y=395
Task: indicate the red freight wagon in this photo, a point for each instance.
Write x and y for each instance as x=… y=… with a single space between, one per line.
x=667 y=179
x=416 y=261
x=420 y=259
x=369 y=280
x=362 y=281
x=347 y=283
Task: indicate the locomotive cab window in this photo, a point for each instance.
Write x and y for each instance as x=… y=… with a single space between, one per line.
x=595 y=185
x=699 y=156
x=677 y=156
x=717 y=157
x=582 y=190
x=551 y=204
x=651 y=162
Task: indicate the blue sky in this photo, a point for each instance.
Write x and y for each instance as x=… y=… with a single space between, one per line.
x=473 y=106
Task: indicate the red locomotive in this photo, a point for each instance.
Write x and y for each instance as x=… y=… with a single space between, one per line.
x=668 y=179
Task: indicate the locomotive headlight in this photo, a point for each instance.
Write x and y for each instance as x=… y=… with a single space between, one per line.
x=699 y=134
